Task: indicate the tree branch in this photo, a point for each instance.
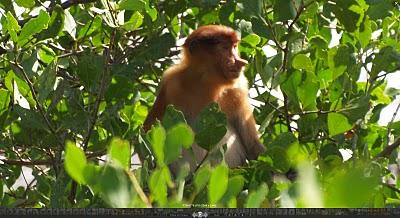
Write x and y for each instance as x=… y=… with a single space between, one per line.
x=389 y=149
x=27 y=163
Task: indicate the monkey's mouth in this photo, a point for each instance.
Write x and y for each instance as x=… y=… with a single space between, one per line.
x=235 y=73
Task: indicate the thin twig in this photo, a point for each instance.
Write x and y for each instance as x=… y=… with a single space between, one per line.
x=391 y=121
x=38 y=105
x=392 y=187
x=26 y=163
x=64 y=5
x=139 y=190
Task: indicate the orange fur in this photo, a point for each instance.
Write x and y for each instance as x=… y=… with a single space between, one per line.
x=211 y=71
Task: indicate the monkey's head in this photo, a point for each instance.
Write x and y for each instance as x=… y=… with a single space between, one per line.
x=216 y=45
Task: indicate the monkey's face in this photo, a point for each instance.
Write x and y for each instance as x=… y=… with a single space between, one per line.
x=228 y=60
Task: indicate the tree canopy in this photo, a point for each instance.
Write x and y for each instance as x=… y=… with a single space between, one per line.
x=77 y=79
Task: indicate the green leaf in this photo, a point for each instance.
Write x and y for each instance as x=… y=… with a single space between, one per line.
x=289 y=87
x=379 y=9
x=4 y=99
x=115 y=187
x=255 y=198
x=302 y=62
x=349 y=13
x=157 y=138
x=218 y=183
x=120 y=152
x=202 y=177
x=235 y=186
x=90 y=27
x=158 y=185
x=30 y=119
x=75 y=162
x=25 y=3
x=339 y=59
x=159 y=46
x=56 y=23
x=341 y=194
x=12 y=26
x=134 y=22
x=307 y=92
x=280 y=159
x=284 y=10
x=178 y=136
x=33 y=26
x=252 y=40
x=318 y=41
x=89 y=69
x=260 y=27
x=134 y=5
x=45 y=82
x=7 y=5
x=251 y=7
x=69 y=24
x=152 y=12
x=338 y=123
x=210 y=127
x=46 y=54
x=172 y=117
x=387 y=60
x=365 y=33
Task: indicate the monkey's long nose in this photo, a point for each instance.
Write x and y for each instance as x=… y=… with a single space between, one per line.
x=241 y=62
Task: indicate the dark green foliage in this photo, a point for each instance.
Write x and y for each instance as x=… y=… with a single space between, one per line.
x=76 y=84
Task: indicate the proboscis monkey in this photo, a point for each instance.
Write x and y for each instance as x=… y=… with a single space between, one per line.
x=211 y=70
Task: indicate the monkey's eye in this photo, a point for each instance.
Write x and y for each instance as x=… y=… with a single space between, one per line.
x=226 y=47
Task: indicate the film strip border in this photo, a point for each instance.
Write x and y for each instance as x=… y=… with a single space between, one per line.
x=199 y=212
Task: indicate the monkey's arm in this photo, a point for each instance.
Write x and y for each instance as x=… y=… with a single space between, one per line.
x=157 y=111
x=234 y=103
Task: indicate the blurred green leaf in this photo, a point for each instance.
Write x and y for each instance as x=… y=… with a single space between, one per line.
x=235 y=186
x=115 y=187
x=120 y=152
x=178 y=136
x=158 y=184
x=157 y=137
x=255 y=198
x=218 y=183
x=25 y=3
x=135 y=5
x=75 y=162
x=4 y=99
x=379 y=9
x=344 y=195
x=201 y=177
